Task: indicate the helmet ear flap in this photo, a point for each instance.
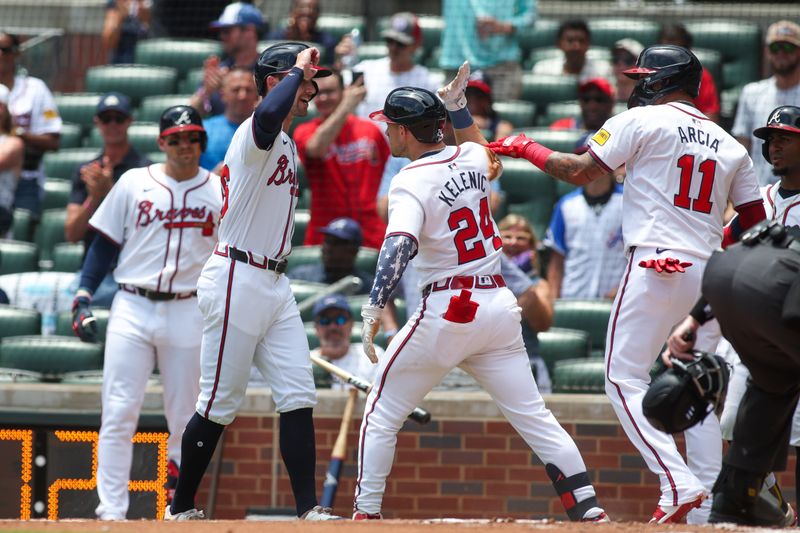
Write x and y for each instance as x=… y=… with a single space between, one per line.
x=765 y=151
x=316 y=89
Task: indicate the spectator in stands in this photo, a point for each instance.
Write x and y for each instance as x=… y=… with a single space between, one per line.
x=126 y=22
x=333 y=323
x=93 y=180
x=587 y=257
x=707 y=100
x=519 y=242
x=479 y=102
x=624 y=54
x=574 y=40
x=403 y=36
x=340 y=246
x=239 y=96
x=344 y=157
x=302 y=26
x=239 y=28
x=759 y=98
x=596 y=98
x=486 y=33
x=12 y=150
x=36 y=122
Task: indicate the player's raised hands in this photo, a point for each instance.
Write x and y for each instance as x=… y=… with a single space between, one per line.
x=372 y=323
x=454 y=93
x=667 y=264
x=307 y=60
x=512 y=146
x=84 y=324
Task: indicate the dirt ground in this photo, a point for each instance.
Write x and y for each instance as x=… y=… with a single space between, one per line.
x=386 y=526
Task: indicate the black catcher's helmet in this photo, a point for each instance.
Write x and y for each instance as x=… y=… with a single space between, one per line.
x=180 y=118
x=418 y=109
x=783 y=118
x=685 y=394
x=280 y=58
x=662 y=69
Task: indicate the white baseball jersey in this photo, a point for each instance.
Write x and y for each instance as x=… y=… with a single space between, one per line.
x=260 y=189
x=681 y=168
x=166 y=228
x=353 y=362
x=32 y=106
x=433 y=205
x=784 y=210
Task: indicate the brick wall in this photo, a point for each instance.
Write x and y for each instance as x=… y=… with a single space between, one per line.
x=453 y=467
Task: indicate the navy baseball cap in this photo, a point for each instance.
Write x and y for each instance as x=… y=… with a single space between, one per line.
x=114 y=101
x=239 y=14
x=332 y=301
x=344 y=228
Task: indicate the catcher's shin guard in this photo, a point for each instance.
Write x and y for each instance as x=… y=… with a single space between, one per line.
x=576 y=492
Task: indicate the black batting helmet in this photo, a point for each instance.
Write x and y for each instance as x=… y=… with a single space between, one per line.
x=418 y=109
x=663 y=69
x=685 y=394
x=783 y=118
x=278 y=59
x=181 y=118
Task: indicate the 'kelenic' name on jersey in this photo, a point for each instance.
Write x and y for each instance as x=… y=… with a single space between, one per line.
x=463 y=181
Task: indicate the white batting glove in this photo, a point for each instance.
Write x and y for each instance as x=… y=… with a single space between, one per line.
x=453 y=94
x=372 y=323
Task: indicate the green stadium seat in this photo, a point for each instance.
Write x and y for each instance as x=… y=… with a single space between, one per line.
x=136 y=81
x=62 y=164
x=303 y=255
x=557 y=344
x=152 y=107
x=528 y=192
x=64 y=323
x=367 y=259
x=52 y=355
x=67 y=256
x=77 y=108
x=728 y=100
x=157 y=157
x=711 y=60
x=21 y=225
x=401 y=311
x=432 y=61
x=542 y=90
x=562 y=188
x=191 y=82
x=18 y=321
x=56 y=193
x=739 y=42
x=303 y=290
x=588 y=315
x=142 y=135
x=559 y=140
x=339 y=24
x=180 y=54
x=583 y=376
x=607 y=31
x=541 y=34
x=49 y=232
x=17 y=256
x=519 y=113
x=556 y=111
x=71 y=135
x=552 y=52
x=301 y=219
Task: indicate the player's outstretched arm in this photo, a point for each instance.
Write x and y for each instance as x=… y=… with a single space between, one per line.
x=455 y=101
x=397 y=250
x=575 y=169
x=274 y=107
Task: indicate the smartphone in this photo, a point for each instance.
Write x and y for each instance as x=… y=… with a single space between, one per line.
x=356 y=77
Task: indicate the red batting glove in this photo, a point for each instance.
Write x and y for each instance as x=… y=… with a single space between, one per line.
x=512 y=146
x=668 y=265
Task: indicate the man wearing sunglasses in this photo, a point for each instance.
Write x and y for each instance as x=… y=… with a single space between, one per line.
x=92 y=181
x=759 y=98
x=333 y=323
x=596 y=99
x=161 y=222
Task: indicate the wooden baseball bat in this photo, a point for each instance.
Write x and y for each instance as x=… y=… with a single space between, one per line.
x=338 y=454
x=419 y=415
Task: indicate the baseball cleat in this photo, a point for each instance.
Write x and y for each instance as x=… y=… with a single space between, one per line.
x=673 y=514
x=361 y=515
x=191 y=514
x=595 y=514
x=318 y=513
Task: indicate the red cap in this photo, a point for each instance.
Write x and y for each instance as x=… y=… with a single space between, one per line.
x=601 y=84
x=481 y=86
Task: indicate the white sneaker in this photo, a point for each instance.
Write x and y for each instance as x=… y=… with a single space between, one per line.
x=595 y=514
x=319 y=513
x=191 y=514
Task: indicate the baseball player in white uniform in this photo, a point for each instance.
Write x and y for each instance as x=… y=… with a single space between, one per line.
x=468 y=318
x=681 y=170
x=250 y=315
x=162 y=220
x=781 y=148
